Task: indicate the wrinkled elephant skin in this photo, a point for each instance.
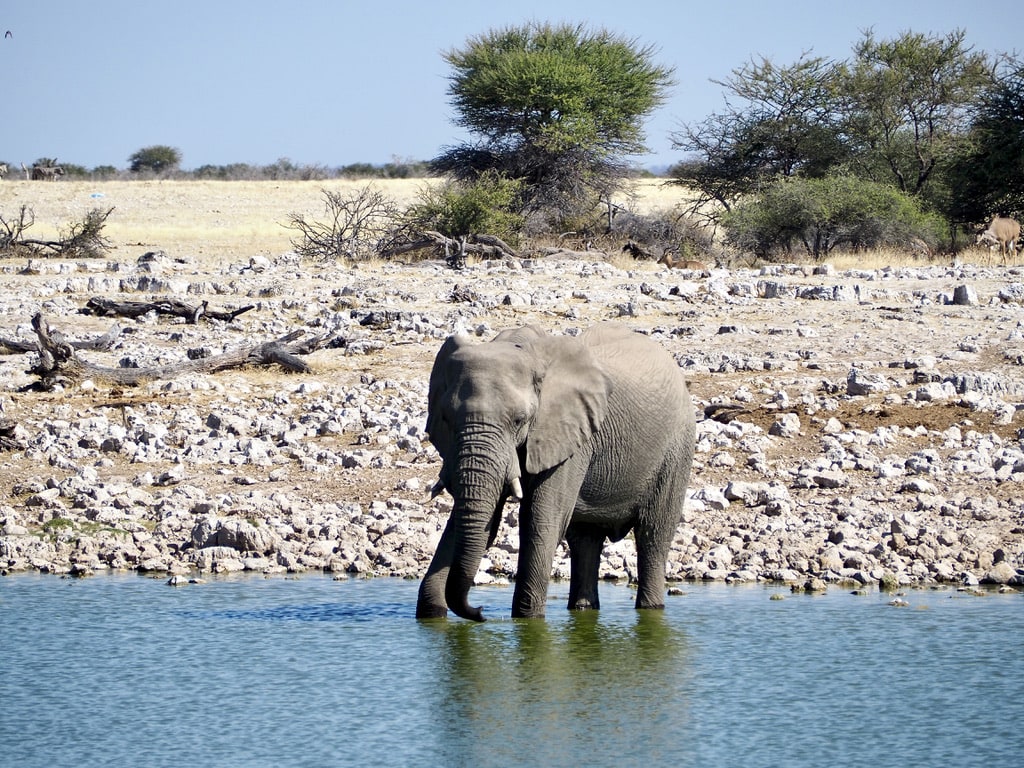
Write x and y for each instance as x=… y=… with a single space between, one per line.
x=594 y=432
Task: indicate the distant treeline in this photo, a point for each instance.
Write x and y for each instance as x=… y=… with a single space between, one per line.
x=284 y=170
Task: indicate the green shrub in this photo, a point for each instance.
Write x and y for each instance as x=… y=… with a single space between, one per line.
x=817 y=216
x=485 y=206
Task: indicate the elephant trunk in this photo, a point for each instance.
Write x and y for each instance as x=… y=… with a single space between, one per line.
x=481 y=482
x=471 y=537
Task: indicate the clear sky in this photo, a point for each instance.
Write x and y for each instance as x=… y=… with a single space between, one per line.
x=333 y=83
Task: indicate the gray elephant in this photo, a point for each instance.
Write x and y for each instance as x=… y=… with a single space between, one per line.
x=594 y=434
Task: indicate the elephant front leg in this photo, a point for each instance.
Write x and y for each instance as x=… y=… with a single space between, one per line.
x=543 y=519
x=529 y=601
x=585 y=545
x=430 y=603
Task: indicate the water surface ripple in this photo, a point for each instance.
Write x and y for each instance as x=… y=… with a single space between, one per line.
x=122 y=670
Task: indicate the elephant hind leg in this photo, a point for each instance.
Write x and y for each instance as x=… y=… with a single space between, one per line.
x=651 y=568
x=585 y=545
x=654 y=531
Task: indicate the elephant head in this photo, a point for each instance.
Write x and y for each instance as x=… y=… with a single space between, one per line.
x=500 y=413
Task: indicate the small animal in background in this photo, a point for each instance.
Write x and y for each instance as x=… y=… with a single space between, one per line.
x=1002 y=232
x=672 y=262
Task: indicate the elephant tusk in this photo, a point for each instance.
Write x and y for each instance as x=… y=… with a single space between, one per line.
x=437 y=489
x=517 y=489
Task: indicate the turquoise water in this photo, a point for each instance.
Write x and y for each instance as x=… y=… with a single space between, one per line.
x=126 y=671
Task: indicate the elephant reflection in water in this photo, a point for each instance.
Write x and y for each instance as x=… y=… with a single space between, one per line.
x=548 y=690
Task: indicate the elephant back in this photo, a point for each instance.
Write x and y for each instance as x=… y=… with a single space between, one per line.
x=631 y=356
x=647 y=381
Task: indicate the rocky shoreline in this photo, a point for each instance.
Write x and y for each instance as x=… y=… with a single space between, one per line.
x=856 y=426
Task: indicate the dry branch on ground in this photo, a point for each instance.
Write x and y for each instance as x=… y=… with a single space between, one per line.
x=58 y=363
x=99 y=344
x=106 y=307
x=484 y=246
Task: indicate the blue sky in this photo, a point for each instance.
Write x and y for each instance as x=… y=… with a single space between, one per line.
x=92 y=81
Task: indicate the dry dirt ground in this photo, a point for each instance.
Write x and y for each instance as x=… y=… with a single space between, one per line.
x=762 y=356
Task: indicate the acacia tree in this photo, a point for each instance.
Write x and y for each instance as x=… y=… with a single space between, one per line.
x=156 y=159
x=779 y=122
x=895 y=113
x=988 y=177
x=909 y=100
x=557 y=108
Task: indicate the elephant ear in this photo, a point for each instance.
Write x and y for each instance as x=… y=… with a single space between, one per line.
x=440 y=433
x=573 y=402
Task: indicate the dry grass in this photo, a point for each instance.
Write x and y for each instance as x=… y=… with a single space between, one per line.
x=235 y=219
x=208 y=221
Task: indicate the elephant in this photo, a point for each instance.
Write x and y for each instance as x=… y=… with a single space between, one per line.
x=593 y=434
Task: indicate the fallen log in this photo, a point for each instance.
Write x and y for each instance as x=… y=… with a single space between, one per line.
x=59 y=365
x=99 y=344
x=484 y=246
x=97 y=305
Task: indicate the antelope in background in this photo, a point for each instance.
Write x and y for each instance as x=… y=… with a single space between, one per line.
x=1002 y=232
x=670 y=261
x=637 y=251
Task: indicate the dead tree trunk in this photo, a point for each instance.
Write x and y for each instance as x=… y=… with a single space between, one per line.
x=100 y=343
x=484 y=246
x=58 y=363
x=102 y=307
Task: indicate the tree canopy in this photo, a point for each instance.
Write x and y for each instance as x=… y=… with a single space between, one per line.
x=155 y=159
x=907 y=100
x=987 y=177
x=556 y=107
x=897 y=112
x=784 y=123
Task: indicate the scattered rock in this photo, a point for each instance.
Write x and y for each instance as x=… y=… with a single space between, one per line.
x=965 y=295
x=870 y=439
x=861 y=383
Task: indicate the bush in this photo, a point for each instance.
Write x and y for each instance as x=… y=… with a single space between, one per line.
x=486 y=206
x=354 y=227
x=818 y=216
x=85 y=239
x=81 y=239
x=157 y=159
x=664 y=231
